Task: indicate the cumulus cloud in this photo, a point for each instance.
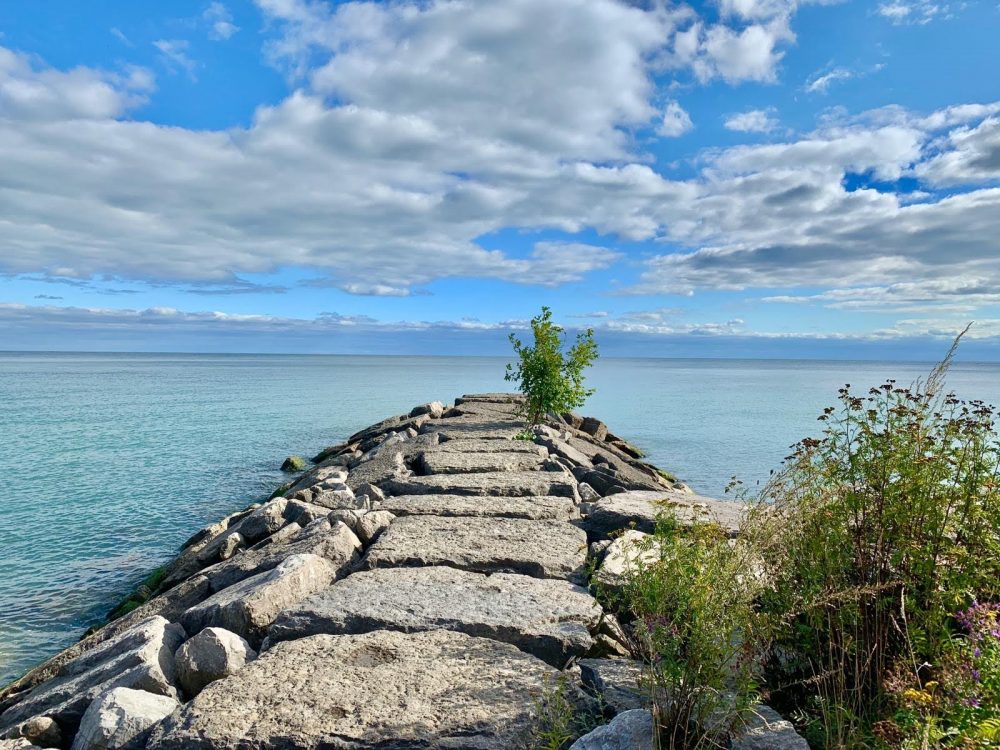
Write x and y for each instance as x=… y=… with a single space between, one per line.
x=752 y=121
x=675 y=122
x=414 y=133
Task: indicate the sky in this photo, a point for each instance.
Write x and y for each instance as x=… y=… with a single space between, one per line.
x=733 y=178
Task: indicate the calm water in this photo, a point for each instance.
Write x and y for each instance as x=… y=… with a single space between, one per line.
x=108 y=462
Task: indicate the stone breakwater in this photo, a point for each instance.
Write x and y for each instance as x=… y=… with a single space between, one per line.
x=419 y=587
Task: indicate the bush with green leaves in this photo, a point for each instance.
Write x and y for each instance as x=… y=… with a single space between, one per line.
x=551 y=379
x=690 y=594
x=876 y=535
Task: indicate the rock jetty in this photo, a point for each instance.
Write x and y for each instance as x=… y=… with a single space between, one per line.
x=422 y=585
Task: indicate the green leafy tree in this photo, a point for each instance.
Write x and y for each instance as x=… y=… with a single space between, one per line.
x=551 y=379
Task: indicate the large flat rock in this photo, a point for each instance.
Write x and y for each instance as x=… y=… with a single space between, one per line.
x=475 y=428
x=546 y=507
x=472 y=445
x=543 y=549
x=141 y=657
x=640 y=509
x=551 y=619
x=249 y=607
x=466 y=463
x=514 y=484
x=386 y=690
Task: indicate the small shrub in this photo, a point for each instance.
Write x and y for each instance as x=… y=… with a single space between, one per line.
x=550 y=379
x=692 y=601
x=559 y=719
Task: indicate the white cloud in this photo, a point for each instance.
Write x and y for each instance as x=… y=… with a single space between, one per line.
x=174 y=54
x=752 y=121
x=220 y=21
x=30 y=92
x=968 y=155
x=914 y=11
x=418 y=134
x=819 y=83
x=676 y=121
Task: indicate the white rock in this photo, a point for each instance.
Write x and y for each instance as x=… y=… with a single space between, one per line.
x=121 y=716
x=211 y=655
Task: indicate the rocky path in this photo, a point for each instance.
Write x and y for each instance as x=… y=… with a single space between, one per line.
x=420 y=587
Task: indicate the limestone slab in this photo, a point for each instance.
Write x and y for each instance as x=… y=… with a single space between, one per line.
x=552 y=619
x=249 y=607
x=513 y=484
x=472 y=445
x=546 y=507
x=466 y=463
x=387 y=690
x=543 y=549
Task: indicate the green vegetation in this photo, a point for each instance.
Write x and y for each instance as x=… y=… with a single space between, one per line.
x=280 y=492
x=560 y=717
x=294 y=464
x=143 y=593
x=551 y=379
x=863 y=597
x=690 y=595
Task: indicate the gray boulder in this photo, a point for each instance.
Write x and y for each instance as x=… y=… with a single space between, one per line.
x=378 y=470
x=640 y=509
x=462 y=445
x=373 y=523
x=544 y=549
x=249 y=607
x=385 y=690
x=211 y=655
x=617 y=683
x=42 y=731
x=766 y=730
x=549 y=618
x=333 y=541
x=121 y=718
x=632 y=730
x=141 y=657
x=434 y=410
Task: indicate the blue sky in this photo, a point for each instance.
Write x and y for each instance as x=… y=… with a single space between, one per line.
x=734 y=178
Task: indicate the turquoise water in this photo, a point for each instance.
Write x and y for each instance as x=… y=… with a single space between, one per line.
x=108 y=462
